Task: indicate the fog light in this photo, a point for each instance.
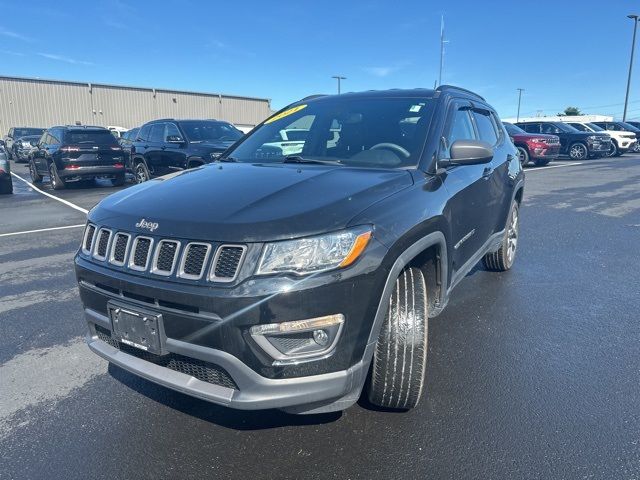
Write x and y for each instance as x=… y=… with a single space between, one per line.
x=321 y=337
x=299 y=340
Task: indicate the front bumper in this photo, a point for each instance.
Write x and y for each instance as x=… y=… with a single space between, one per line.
x=216 y=330
x=597 y=148
x=544 y=152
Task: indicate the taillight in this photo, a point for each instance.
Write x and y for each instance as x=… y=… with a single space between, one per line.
x=118 y=165
x=2 y=170
x=72 y=167
x=116 y=148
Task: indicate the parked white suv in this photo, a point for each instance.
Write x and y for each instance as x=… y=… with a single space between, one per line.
x=621 y=142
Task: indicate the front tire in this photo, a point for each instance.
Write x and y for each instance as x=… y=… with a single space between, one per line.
x=502 y=259
x=613 y=150
x=33 y=173
x=400 y=357
x=578 y=151
x=56 y=182
x=523 y=156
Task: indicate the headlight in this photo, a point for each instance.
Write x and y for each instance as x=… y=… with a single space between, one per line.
x=215 y=155
x=593 y=138
x=314 y=254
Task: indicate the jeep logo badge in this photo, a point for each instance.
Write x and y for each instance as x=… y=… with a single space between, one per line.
x=151 y=226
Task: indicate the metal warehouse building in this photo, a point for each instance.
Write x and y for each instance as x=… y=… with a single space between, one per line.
x=34 y=102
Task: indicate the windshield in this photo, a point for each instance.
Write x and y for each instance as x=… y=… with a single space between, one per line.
x=201 y=131
x=513 y=130
x=359 y=132
x=629 y=127
x=580 y=126
x=595 y=127
x=97 y=137
x=21 y=132
x=566 y=128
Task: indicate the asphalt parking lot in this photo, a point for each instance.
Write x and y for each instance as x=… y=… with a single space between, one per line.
x=534 y=373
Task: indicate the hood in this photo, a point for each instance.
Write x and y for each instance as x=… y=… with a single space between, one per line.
x=249 y=203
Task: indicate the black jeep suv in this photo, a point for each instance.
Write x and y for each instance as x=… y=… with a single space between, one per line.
x=578 y=145
x=168 y=145
x=73 y=153
x=268 y=280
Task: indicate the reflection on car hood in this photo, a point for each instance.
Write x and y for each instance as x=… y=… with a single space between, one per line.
x=245 y=202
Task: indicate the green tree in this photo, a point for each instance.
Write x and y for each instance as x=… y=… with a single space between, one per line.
x=571 y=111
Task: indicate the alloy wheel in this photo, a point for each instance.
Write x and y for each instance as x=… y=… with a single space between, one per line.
x=512 y=236
x=578 y=152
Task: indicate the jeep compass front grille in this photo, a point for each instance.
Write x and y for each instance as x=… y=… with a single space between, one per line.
x=163 y=256
x=194 y=259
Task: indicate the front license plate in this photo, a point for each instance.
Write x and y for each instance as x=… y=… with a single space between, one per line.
x=137 y=327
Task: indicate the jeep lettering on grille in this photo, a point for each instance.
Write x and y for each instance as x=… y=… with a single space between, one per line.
x=151 y=226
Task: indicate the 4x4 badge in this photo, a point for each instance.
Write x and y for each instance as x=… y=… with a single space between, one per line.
x=151 y=226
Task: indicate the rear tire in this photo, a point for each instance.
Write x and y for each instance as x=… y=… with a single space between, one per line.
x=33 y=172
x=502 y=259
x=56 y=182
x=400 y=357
x=141 y=172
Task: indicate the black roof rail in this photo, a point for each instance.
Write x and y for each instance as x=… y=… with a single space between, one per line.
x=445 y=88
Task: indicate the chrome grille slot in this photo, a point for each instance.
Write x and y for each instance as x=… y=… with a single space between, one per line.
x=140 y=253
x=119 y=249
x=194 y=260
x=87 y=241
x=102 y=244
x=165 y=257
x=226 y=263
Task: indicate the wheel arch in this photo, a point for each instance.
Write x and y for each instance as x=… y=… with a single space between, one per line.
x=195 y=161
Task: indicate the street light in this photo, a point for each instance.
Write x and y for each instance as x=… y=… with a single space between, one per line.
x=338 y=77
x=520 y=90
x=633 y=46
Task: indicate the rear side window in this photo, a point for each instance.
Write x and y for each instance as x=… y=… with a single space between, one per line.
x=486 y=128
x=531 y=127
x=95 y=137
x=157 y=133
x=143 y=134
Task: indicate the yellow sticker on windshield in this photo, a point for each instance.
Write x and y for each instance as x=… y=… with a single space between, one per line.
x=286 y=113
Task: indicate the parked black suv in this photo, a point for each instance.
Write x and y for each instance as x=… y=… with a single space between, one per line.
x=74 y=153
x=14 y=134
x=578 y=145
x=168 y=145
x=269 y=280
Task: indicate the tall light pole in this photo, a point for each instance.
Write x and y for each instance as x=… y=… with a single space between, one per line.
x=339 y=78
x=442 y=42
x=520 y=90
x=633 y=46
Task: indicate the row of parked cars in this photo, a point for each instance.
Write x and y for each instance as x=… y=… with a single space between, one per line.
x=542 y=141
x=73 y=153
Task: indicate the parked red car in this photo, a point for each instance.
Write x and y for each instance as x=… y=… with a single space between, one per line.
x=534 y=147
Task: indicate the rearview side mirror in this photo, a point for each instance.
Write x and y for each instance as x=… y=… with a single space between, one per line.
x=470 y=152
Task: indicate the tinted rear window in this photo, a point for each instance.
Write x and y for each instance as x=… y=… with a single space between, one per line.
x=22 y=132
x=97 y=137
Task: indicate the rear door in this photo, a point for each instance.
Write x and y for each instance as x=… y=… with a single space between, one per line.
x=154 y=151
x=495 y=174
x=174 y=147
x=468 y=209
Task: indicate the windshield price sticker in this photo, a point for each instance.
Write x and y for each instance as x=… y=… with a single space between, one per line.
x=286 y=113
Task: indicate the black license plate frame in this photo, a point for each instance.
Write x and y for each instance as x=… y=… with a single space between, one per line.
x=137 y=327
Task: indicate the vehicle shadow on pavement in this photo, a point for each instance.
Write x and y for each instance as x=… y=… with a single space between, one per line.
x=212 y=413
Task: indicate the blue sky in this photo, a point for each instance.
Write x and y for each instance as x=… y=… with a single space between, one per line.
x=563 y=52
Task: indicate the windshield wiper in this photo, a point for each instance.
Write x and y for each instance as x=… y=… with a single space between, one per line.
x=299 y=159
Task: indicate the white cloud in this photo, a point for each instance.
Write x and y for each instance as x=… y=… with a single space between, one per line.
x=62 y=58
x=8 y=33
x=380 y=71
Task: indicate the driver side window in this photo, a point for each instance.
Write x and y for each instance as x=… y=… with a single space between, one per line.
x=461 y=129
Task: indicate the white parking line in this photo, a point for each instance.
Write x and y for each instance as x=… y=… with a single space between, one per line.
x=66 y=202
x=40 y=230
x=531 y=170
